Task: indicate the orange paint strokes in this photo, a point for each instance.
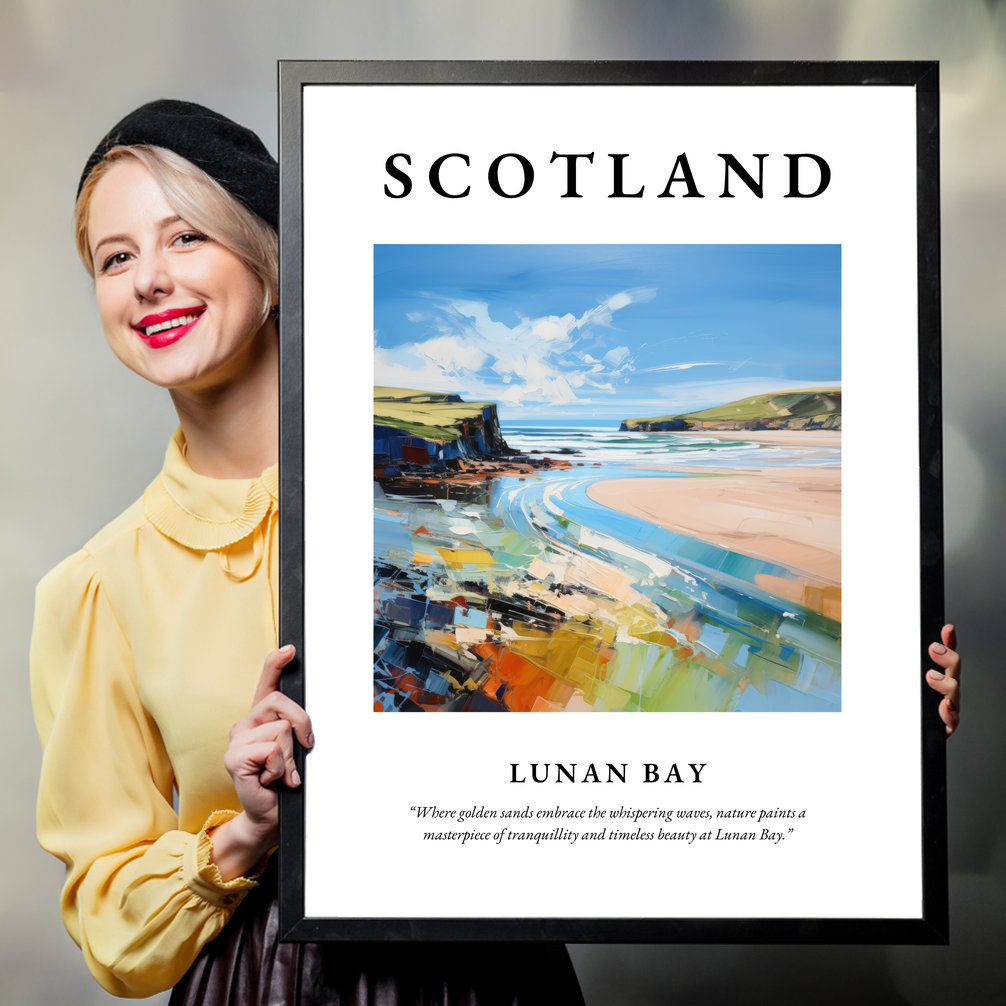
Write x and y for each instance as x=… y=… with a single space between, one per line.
x=525 y=682
x=408 y=682
x=487 y=651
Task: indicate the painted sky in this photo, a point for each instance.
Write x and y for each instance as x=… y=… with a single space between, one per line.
x=610 y=331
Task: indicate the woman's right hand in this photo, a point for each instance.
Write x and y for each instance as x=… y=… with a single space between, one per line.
x=260 y=753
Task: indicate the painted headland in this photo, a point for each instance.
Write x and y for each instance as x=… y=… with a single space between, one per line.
x=607 y=478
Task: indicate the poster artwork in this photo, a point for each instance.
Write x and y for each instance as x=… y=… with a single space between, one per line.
x=625 y=332
x=608 y=478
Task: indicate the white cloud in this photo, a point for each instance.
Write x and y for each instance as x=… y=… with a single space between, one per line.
x=391 y=372
x=614 y=358
x=451 y=353
x=535 y=359
x=552 y=329
x=686 y=366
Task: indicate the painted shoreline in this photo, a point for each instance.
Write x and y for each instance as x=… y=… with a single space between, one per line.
x=795 y=438
x=546 y=600
x=629 y=586
x=790 y=516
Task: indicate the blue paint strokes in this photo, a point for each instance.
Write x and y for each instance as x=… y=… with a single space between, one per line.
x=470 y=616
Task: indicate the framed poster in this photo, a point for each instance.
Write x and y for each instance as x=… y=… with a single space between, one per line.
x=612 y=313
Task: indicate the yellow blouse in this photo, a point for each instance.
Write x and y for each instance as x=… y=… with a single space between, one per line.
x=147 y=647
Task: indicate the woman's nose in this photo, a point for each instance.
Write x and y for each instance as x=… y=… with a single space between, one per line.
x=152 y=277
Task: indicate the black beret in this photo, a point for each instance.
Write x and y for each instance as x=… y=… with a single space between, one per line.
x=231 y=154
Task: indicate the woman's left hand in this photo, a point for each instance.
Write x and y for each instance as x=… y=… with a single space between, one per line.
x=948 y=681
x=260 y=754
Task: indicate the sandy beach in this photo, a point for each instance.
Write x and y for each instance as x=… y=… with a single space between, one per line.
x=791 y=517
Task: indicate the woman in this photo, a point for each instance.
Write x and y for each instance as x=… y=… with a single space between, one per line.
x=148 y=643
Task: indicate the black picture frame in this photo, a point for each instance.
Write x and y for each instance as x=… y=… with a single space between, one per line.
x=931 y=927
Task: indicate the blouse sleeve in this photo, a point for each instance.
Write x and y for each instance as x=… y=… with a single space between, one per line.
x=141 y=898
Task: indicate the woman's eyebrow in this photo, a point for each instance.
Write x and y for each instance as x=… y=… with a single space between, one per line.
x=109 y=240
x=160 y=225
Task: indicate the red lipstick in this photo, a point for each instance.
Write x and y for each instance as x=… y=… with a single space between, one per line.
x=166 y=327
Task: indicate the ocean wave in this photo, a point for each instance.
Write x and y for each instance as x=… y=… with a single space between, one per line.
x=611 y=446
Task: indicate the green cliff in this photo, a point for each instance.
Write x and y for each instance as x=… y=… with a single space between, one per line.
x=809 y=408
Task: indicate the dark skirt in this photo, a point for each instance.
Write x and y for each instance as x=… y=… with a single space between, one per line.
x=246 y=965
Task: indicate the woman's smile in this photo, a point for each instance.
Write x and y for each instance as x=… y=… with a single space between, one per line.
x=167 y=327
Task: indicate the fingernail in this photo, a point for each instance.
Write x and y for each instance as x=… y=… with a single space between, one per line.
x=287 y=649
x=295 y=777
x=936 y=675
x=938 y=648
x=310 y=740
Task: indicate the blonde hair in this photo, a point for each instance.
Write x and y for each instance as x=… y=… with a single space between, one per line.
x=199 y=200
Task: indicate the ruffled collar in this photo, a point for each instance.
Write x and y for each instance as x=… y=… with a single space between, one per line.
x=203 y=513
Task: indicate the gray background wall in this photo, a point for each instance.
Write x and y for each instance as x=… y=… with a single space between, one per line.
x=81 y=436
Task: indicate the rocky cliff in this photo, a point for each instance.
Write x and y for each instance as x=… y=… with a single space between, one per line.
x=421 y=428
